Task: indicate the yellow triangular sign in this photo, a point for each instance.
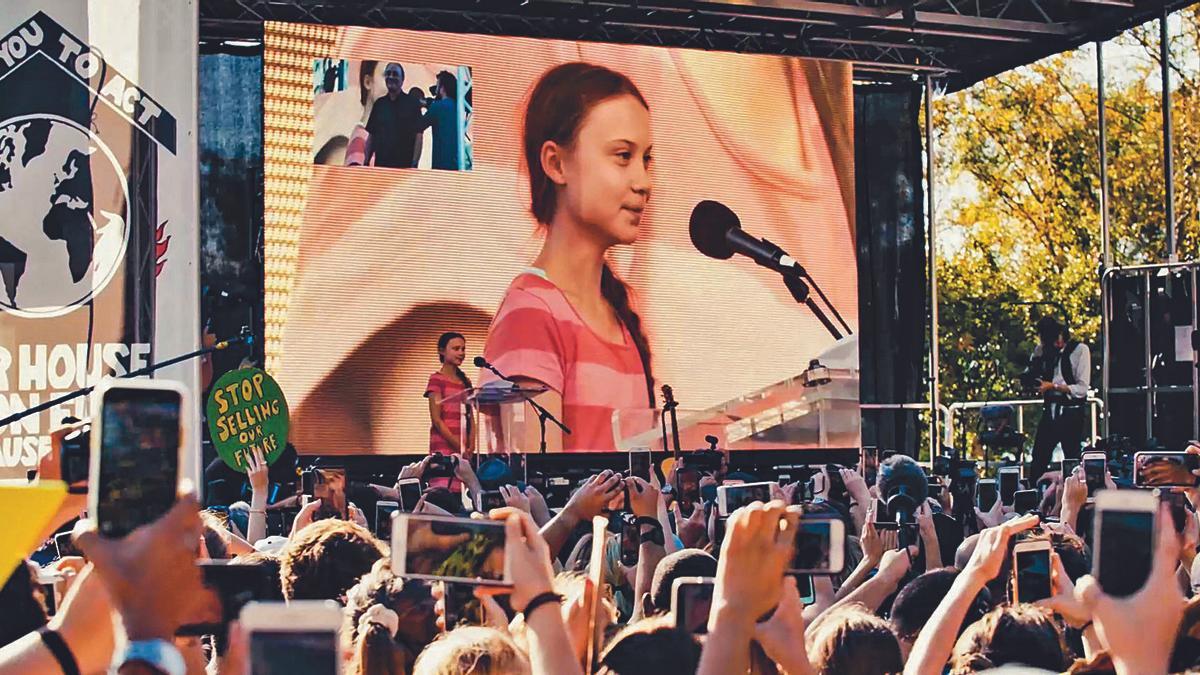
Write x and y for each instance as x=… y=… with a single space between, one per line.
x=25 y=511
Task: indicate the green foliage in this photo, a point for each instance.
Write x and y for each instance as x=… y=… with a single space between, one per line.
x=1019 y=197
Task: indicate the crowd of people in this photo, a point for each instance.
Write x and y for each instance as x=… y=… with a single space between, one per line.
x=896 y=606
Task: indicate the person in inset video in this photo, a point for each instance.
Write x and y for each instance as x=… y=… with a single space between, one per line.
x=568 y=322
x=443 y=117
x=394 y=124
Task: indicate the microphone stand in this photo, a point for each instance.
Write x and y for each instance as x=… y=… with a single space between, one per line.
x=245 y=337
x=543 y=414
x=799 y=289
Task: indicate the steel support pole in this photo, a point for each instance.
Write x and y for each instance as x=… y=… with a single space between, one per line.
x=930 y=179
x=1102 y=133
x=1164 y=47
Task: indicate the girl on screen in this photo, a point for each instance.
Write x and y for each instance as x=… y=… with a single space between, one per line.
x=356 y=149
x=568 y=322
x=444 y=390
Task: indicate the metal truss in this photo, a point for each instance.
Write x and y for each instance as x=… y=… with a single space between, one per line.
x=957 y=42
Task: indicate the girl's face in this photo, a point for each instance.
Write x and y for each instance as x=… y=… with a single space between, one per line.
x=454 y=352
x=606 y=172
x=375 y=83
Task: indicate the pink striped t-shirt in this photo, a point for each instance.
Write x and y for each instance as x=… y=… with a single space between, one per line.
x=538 y=334
x=441 y=388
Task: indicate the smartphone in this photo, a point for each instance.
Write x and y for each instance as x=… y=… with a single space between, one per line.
x=329 y=485
x=691 y=600
x=1025 y=501
x=1067 y=467
x=837 y=487
x=49 y=582
x=804 y=584
x=65 y=545
x=1165 y=469
x=1095 y=465
x=410 y=493
x=461 y=606
x=229 y=587
x=631 y=540
x=1125 y=527
x=447 y=548
x=820 y=547
x=868 y=463
x=1008 y=479
x=489 y=499
x=985 y=493
x=295 y=638
x=640 y=464
x=1031 y=570
x=687 y=489
x=935 y=486
x=883 y=517
x=1178 y=503
x=137 y=449
x=730 y=498
x=383 y=518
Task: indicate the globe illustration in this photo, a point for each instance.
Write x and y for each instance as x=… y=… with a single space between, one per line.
x=63 y=215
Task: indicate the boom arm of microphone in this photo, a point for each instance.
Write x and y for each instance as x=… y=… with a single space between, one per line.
x=245 y=337
x=481 y=362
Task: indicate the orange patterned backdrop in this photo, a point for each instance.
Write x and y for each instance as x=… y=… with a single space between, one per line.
x=365 y=267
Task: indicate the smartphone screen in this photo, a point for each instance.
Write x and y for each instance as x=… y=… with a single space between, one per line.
x=639 y=464
x=691 y=604
x=462 y=607
x=228 y=587
x=410 y=494
x=138 y=458
x=1165 y=469
x=448 y=548
x=383 y=518
x=985 y=494
x=631 y=540
x=1093 y=472
x=1008 y=479
x=868 y=463
x=730 y=498
x=329 y=485
x=817 y=552
x=293 y=652
x=1125 y=550
x=1032 y=568
x=491 y=499
x=1067 y=467
x=804 y=584
x=687 y=487
x=1025 y=501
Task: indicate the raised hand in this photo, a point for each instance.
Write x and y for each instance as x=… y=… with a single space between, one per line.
x=643 y=497
x=257 y=472
x=151 y=573
x=992 y=548
x=1140 y=630
x=515 y=498
x=590 y=499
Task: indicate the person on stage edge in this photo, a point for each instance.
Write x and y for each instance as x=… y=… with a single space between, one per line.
x=444 y=391
x=569 y=322
x=1062 y=370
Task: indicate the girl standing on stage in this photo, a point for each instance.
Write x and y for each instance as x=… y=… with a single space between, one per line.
x=446 y=383
x=568 y=322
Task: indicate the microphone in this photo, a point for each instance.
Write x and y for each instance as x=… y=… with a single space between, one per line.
x=717 y=232
x=481 y=362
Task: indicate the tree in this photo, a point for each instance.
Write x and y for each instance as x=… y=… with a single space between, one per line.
x=1019 y=190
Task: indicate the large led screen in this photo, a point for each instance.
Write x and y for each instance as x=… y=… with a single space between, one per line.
x=399 y=207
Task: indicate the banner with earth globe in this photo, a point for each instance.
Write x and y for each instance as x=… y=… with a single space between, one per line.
x=98 y=204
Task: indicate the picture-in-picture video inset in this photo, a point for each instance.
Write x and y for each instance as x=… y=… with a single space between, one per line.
x=392 y=114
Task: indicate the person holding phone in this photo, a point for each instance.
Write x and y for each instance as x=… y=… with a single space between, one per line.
x=444 y=391
x=1060 y=371
x=569 y=322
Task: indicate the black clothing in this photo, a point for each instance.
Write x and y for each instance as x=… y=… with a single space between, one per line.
x=393 y=127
